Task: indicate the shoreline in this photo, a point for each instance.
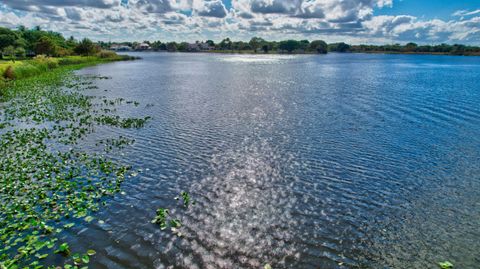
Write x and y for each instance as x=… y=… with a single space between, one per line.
x=307 y=53
x=21 y=69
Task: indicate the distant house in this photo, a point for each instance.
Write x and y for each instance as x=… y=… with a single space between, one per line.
x=199 y=46
x=116 y=47
x=193 y=47
x=205 y=46
x=143 y=46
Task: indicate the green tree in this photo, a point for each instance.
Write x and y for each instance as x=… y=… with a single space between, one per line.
x=172 y=46
x=20 y=52
x=289 y=45
x=411 y=47
x=86 y=47
x=339 y=47
x=319 y=46
x=255 y=43
x=156 y=45
x=182 y=46
x=225 y=44
x=303 y=45
x=46 y=46
x=210 y=43
x=71 y=43
x=9 y=52
x=7 y=38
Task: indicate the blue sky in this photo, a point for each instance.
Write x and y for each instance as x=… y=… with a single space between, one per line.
x=430 y=9
x=353 y=21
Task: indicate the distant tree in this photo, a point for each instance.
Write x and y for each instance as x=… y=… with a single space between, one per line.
x=225 y=44
x=9 y=53
x=156 y=45
x=266 y=47
x=86 y=47
x=319 y=46
x=171 y=46
x=183 y=46
x=289 y=45
x=46 y=46
x=20 y=52
x=7 y=38
x=255 y=43
x=71 y=43
x=303 y=45
x=20 y=42
x=339 y=47
x=411 y=47
x=210 y=43
x=458 y=49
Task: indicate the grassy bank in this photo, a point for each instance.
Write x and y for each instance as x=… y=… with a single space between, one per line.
x=49 y=186
x=14 y=70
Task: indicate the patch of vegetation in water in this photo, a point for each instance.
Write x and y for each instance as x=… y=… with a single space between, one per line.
x=47 y=186
x=165 y=220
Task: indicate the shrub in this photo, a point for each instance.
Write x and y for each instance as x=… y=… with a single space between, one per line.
x=75 y=60
x=26 y=70
x=106 y=54
x=62 y=52
x=87 y=47
x=44 y=62
x=3 y=84
x=9 y=74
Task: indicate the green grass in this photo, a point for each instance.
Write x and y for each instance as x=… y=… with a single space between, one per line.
x=33 y=67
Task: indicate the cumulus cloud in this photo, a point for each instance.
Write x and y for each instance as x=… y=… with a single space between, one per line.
x=33 y=5
x=210 y=8
x=333 y=20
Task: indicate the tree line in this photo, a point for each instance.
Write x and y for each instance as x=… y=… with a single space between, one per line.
x=23 y=42
x=260 y=45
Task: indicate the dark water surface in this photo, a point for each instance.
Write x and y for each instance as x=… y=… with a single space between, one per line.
x=336 y=161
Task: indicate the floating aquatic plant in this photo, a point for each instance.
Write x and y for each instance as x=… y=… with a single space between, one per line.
x=161 y=218
x=445 y=265
x=45 y=190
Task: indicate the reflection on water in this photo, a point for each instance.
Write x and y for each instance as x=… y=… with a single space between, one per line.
x=267 y=59
x=336 y=161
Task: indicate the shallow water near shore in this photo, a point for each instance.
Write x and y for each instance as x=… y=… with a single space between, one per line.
x=305 y=161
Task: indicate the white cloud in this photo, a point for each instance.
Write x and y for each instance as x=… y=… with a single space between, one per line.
x=464 y=13
x=210 y=8
x=332 y=20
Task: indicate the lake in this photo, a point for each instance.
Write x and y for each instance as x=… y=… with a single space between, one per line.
x=297 y=161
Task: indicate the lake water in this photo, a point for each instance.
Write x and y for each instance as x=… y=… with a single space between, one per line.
x=335 y=161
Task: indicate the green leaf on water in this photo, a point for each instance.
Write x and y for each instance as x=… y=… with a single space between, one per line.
x=43 y=256
x=445 y=265
x=63 y=249
x=91 y=252
x=175 y=223
x=85 y=259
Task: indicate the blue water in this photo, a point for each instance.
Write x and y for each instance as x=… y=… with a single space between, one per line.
x=335 y=161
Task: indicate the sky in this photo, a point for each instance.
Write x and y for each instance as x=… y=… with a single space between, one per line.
x=351 y=21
